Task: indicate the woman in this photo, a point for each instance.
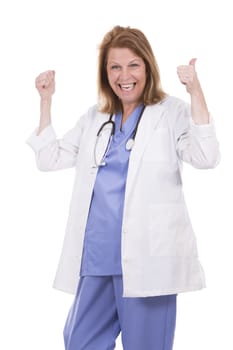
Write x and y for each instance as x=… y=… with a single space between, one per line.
x=129 y=247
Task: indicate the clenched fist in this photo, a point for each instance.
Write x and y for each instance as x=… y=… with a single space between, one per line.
x=45 y=84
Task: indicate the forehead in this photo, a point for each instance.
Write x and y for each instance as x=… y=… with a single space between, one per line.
x=121 y=55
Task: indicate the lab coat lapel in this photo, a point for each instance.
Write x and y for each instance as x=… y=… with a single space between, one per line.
x=147 y=125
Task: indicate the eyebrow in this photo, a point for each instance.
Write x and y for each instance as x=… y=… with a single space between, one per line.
x=131 y=61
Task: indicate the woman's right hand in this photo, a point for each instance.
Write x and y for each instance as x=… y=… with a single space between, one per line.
x=45 y=84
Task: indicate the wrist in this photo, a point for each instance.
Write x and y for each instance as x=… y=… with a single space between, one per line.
x=46 y=100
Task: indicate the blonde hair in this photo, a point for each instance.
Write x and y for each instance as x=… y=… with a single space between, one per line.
x=135 y=40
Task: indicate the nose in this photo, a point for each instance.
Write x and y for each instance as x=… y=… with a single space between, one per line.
x=125 y=74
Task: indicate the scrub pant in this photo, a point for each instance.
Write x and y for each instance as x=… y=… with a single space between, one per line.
x=99 y=313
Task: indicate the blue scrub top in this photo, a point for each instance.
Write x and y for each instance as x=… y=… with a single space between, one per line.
x=102 y=242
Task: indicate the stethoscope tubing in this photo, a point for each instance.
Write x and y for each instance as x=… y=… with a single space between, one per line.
x=110 y=121
x=129 y=143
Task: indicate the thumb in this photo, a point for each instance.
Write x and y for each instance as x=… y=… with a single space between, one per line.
x=192 y=62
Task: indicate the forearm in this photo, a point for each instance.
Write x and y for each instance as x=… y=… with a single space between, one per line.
x=45 y=114
x=188 y=76
x=199 y=110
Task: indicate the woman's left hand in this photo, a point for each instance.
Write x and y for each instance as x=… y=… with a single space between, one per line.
x=188 y=76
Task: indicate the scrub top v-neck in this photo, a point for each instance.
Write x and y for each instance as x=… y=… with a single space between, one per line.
x=102 y=242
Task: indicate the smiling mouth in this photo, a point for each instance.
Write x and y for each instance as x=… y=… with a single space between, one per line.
x=127 y=87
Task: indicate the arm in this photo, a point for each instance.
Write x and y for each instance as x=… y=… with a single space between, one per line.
x=195 y=144
x=188 y=77
x=45 y=84
x=55 y=154
x=196 y=139
x=51 y=153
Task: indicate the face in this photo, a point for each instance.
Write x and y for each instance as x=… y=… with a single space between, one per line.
x=126 y=75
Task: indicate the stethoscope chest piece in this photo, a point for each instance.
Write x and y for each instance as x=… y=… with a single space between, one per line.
x=129 y=144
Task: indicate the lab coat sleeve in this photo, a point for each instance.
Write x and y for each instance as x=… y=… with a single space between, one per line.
x=52 y=153
x=196 y=144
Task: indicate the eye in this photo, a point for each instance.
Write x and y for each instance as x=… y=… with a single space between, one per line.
x=133 y=65
x=115 y=67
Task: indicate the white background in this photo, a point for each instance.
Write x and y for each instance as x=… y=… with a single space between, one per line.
x=64 y=36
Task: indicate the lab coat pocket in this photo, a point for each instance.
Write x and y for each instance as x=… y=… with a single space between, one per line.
x=159 y=147
x=170 y=230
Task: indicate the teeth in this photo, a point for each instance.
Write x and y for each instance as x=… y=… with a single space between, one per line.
x=127 y=86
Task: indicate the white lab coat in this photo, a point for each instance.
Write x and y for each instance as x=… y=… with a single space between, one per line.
x=159 y=251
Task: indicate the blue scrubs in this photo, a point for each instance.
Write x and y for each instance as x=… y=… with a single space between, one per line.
x=102 y=243
x=99 y=312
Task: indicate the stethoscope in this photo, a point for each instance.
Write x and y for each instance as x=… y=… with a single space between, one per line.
x=110 y=126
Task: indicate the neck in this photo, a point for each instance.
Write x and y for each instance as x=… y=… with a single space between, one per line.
x=127 y=110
